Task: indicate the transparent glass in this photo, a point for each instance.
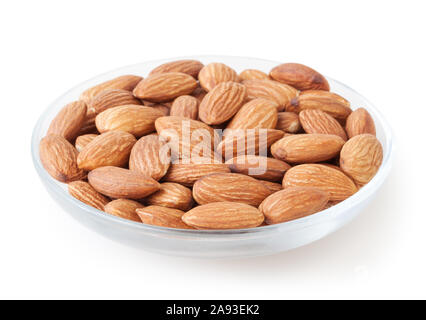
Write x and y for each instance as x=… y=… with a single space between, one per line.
x=214 y=244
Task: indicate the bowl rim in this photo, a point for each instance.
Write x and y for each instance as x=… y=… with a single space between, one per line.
x=332 y=212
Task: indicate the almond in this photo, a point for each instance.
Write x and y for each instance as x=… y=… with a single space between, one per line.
x=299 y=76
x=59 y=158
x=108 y=149
x=119 y=183
x=126 y=82
x=329 y=102
x=259 y=167
x=275 y=91
x=84 y=140
x=229 y=187
x=306 y=148
x=124 y=208
x=361 y=158
x=69 y=120
x=317 y=121
x=165 y=86
x=214 y=73
x=187 y=174
x=199 y=93
x=293 y=203
x=89 y=125
x=162 y=108
x=359 y=122
x=163 y=217
x=150 y=156
x=172 y=195
x=84 y=192
x=272 y=186
x=288 y=122
x=223 y=215
x=186 y=107
x=191 y=67
x=253 y=74
x=111 y=98
x=134 y=119
x=335 y=182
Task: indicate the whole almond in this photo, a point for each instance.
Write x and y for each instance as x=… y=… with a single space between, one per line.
x=187 y=174
x=124 y=208
x=162 y=108
x=307 y=148
x=318 y=121
x=223 y=215
x=275 y=91
x=253 y=74
x=299 y=76
x=186 y=107
x=293 y=203
x=162 y=216
x=259 y=167
x=172 y=195
x=150 y=156
x=84 y=192
x=335 y=182
x=69 y=120
x=222 y=102
x=191 y=67
x=229 y=187
x=112 y=98
x=119 y=183
x=89 y=125
x=214 y=73
x=59 y=158
x=288 y=122
x=360 y=122
x=361 y=158
x=84 y=140
x=126 y=82
x=165 y=86
x=272 y=186
x=329 y=102
x=108 y=149
x=134 y=119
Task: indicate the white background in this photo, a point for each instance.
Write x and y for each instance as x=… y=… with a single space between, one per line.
x=376 y=47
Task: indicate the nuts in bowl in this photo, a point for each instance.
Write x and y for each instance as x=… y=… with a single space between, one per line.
x=208 y=146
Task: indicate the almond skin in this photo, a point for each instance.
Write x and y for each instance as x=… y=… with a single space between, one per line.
x=190 y=67
x=112 y=98
x=199 y=93
x=222 y=103
x=307 y=148
x=150 y=156
x=126 y=82
x=119 y=183
x=329 y=102
x=288 y=122
x=259 y=167
x=84 y=192
x=223 y=215
x=187 y=174
x=89 y=125
x=186 y=107
x=162 y=108
x=253 y=74
x=299 y=76
x=69 y=120
x=338 y=185
x=229 y=187
x=162 y=217
x=134 y=119
x=272 y=186
x=124 y=208
x=293 y=203
x=317 y=121
x=360 y=122
x=162 y=87
x=59 y=158
x=108 y=149
x=84 y=140
x=172 y=195
x=214 y=73
x=361 y=158
x=275 y=91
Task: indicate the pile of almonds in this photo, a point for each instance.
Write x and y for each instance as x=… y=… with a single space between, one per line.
x=196 y=146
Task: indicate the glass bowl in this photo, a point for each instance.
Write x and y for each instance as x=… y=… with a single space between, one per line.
x=215 y=243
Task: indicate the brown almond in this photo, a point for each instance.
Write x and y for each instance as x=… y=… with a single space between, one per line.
x=111 y=98
x=186 y=107
x=162 y=217
x=360 y=122
x=124 y=208
x=187 y=174
x=172 y=195
x=253 y=74
x=214 y=73
x=190 y=67
x=165 y=110
x=318 y=121
x=84 y=192
x=288 y=122
x=272 y=186
x=84 y=140
x=69 y=120
x=89 y=125
x=199 y=93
